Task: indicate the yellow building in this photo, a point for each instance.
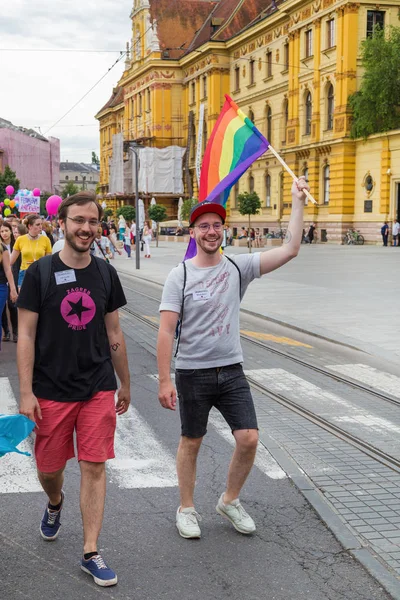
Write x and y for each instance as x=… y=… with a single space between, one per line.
x=291 y=67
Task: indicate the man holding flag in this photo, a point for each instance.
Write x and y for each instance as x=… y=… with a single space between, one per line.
x=205 y=293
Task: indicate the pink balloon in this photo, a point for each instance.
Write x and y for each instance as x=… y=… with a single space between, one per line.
x=1 y=204
x=9 y=190
x=36 y=192
x=52 y=204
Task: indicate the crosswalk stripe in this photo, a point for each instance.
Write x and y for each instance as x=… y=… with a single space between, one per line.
x=264 y=460
x=311 y=396
x=370 y=376
x=141 y=460
x=17 y=473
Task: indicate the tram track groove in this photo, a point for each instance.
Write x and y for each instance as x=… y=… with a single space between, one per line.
x=365 y=447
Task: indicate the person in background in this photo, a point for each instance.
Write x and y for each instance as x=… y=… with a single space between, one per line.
x=133 y=234
x=6 y=279
x=395 y=232
x=48 y=230
x=229 y=236
x=146 y=237
x=257 y=238
x=243 y=233
x=121 y=228
x=385 y=233
x=113 y=241
x=310 y=233
x=127 y=241
x=31 y=246
x=102 y=245
x=8 y=240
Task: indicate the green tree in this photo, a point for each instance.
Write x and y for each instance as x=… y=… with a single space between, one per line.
x=8 y=177
x=95 y=159
x=376 y=106
x=157 y=213
x=127 y=211
x=249 y=204
x=187 y=207
x=108 y=212
x=69 y=190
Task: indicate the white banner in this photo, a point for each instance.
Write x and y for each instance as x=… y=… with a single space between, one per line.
x=29 y=204
x=199 y=142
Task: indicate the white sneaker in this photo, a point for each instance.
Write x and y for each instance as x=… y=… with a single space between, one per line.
x=187 y=522
x=237 y=515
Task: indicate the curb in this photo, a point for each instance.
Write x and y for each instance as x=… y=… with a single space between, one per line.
x=332 y=520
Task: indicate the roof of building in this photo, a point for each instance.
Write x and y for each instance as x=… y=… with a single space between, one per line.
x=116 y=98
x=178 y=22
x=4 y=124
x=78 y=167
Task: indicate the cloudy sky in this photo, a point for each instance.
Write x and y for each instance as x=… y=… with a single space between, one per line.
x=39 y=87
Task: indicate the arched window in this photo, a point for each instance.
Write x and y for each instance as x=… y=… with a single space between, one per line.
x=308 y=114
x=269 y=123
x=329 y=107
x=66 y=178
x=251 y=116
x=326 y=183
x=268 y=190
x=251 y=184
x=305 y=174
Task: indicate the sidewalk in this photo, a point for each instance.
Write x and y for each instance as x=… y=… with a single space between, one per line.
x=348 y=294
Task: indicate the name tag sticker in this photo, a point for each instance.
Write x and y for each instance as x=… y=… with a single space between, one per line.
x=201 y=295
x=65 y=276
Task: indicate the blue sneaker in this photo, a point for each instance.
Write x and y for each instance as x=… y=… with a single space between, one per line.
x=50 y=525
x=97 y=568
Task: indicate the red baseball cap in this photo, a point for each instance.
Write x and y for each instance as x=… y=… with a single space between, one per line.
x=207 y=207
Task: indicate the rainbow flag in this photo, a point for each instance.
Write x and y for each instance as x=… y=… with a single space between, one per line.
x=234 y=145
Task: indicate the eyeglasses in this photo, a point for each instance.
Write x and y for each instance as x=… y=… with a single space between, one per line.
x=205 y=227
x=82 y=221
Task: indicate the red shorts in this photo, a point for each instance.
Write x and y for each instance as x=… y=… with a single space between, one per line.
x=93 y=420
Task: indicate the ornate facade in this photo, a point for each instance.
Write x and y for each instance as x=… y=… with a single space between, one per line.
x=291 y=67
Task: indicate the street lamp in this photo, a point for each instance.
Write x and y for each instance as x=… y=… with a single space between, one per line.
x=83 y=175
x=135 y=150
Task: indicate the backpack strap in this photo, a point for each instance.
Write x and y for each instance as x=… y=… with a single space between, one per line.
x=44 y=266
x=180 y=320
x=240 y=275
x=105 y=273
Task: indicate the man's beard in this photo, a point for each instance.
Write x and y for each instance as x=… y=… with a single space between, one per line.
x=70 y=240
x=203 y=245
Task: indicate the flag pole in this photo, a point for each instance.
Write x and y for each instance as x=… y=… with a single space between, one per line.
x=289 y=170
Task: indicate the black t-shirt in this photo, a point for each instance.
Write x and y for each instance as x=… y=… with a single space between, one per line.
x=72 y=353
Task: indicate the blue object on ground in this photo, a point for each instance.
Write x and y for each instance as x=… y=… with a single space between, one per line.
x=13 y=430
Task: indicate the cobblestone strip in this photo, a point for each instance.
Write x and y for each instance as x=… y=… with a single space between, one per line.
x=362 y=491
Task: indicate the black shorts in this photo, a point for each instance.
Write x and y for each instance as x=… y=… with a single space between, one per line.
x=226 y=388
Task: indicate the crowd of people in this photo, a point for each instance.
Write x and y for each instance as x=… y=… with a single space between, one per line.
x=24 y=241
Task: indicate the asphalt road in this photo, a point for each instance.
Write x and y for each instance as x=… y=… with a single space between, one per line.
x=292 y=556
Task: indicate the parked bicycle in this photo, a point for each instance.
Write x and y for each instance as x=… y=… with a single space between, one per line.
x=353 y=237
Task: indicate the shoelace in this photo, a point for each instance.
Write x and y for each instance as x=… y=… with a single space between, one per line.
x=100 y=564
x=193 y=517
x=51 y=517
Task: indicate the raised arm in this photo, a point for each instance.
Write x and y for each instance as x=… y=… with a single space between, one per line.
x=165 y=344
x=273 y=259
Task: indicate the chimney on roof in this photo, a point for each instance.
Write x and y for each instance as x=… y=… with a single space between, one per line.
x=216 y=22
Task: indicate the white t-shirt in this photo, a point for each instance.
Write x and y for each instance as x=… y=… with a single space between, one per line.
x=210 y=334
x=395 y=228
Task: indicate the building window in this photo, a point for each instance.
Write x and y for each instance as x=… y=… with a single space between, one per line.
x=251 y=184
x=305 y=175
x=66 y=178
x=251 y=116
x=76 y=177
x=269 y=123
x=140 y=105
x=268 y=191
x=193 y=92
x=194 y=143
x=205 y=86
x=330 y=103
x=281 y=188
x=269 y=64
x=204 y=136
x=237 y=79
x=330 y=33
x=308 y=107
x=308 y=44
x=326 y=184
x=148 y=101
x=251 y=71
x=285 y=119
x=375 y=18
x=286 y=56
x=236 y=188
